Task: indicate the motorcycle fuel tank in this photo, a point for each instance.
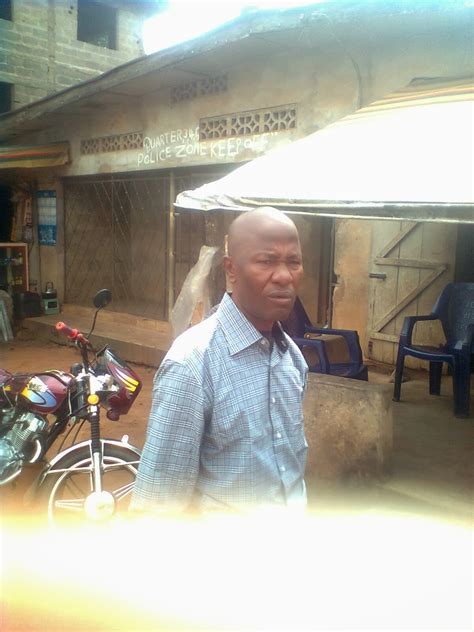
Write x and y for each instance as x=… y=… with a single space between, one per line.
x=45 y=392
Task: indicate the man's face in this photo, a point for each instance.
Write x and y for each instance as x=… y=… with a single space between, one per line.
x=265 y=272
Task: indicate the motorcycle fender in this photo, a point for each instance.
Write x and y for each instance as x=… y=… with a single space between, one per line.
x=55 y=464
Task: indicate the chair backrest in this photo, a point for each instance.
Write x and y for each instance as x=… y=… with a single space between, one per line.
x=455 y=309
x=295 y=325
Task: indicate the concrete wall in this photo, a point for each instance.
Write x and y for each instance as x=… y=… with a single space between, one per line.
x=40 y=53
x=349 y=427
x=326 y=81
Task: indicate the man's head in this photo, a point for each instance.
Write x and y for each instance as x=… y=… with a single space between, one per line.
x=264 y=265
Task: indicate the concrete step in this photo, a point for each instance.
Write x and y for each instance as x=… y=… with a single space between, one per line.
x=134 y=339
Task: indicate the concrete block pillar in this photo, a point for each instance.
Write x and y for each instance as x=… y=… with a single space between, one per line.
x=349 y=427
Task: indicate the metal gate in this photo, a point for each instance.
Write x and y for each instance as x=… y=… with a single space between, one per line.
x=117 y=233
x=116 y=237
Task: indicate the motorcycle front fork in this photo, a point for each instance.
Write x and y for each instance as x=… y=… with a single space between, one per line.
x=100 y=505
x=96 y=449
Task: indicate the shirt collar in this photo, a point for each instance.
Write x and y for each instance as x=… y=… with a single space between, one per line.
x=239 y=331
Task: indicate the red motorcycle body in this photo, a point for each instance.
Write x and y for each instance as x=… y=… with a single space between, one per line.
x=41 y=393
x=129 y=383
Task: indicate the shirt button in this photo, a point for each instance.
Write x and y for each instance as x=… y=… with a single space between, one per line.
x=273 y=400
x=278 y=435
x=282 y=468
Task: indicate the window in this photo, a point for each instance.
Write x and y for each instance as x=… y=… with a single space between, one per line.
x=6 y=92
x=96 y=24
x=5 y=9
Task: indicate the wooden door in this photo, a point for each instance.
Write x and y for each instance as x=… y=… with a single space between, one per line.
x=411 y=262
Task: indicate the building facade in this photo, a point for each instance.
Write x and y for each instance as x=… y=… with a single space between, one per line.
x=173 y=121
x=49 y=45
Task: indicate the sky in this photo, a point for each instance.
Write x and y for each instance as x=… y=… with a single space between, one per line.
x=185 y=19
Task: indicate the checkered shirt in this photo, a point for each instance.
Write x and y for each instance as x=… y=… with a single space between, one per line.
x=226 y=423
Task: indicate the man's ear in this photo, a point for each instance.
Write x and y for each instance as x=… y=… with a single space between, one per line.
x=229 y=268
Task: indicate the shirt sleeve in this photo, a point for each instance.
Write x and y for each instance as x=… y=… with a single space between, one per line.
x=169 y=464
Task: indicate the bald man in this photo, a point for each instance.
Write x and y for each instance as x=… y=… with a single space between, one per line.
x=226 y=425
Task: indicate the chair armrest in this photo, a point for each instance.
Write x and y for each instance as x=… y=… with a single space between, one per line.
x=408 y=325
x=320 y=347
x=324 y=330
x=350 y=336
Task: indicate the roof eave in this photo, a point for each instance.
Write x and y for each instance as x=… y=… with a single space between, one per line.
x=250 y=23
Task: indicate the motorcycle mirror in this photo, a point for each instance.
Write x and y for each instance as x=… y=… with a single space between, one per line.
x=102 y=298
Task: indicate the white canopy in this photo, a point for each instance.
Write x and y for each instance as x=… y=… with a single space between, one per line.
x=409 y=156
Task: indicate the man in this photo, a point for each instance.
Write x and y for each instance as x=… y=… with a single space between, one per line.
x=226 y=427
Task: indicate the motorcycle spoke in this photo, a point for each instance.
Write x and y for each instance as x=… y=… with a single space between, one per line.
x=123 y=491
x=75 y=484
x=73 y=504
x=118 y=466
x=76 y=470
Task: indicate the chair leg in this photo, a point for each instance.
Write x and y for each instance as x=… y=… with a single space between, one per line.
x=461 y=387
x=398 y=375
x=435 y=377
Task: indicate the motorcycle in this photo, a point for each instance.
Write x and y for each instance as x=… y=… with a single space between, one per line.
x=91 y=479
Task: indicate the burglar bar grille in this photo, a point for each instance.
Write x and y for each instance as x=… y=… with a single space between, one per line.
x=115 y=237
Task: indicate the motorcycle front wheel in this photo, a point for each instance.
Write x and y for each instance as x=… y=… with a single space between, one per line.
x=67 y=492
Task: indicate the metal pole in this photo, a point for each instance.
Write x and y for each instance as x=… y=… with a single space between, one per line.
x=171 y=238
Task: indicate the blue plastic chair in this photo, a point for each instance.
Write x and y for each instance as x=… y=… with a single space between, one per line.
x=309 y=338
x=455 y=309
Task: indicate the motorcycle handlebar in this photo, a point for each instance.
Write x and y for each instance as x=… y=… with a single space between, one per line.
x=72 y=334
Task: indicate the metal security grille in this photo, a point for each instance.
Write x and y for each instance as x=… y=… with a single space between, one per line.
x=191 y=231
x=115 y=237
